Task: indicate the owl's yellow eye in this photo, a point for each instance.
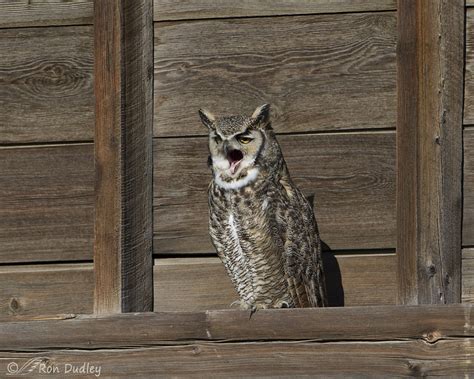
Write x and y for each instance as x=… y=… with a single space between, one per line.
x=244 y=140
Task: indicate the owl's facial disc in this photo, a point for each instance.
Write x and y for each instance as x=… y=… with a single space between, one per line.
x=234 y=157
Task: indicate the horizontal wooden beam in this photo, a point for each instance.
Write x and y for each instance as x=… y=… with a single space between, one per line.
x=430 y=323
x=49 y=73
x=351 y=280
x=412 y=358
x=347 y=63
x=28 y=290
x=47 y=214
x=166 y=10
x=351 y=177
x=18 y=13
x=47 y=13
x=47 y=203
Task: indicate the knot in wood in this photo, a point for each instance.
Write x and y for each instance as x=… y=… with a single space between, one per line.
x=416 y=368
x=431 y=270
x=15 y=305
x=432 y=336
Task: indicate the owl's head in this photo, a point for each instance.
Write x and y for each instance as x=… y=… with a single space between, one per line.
x=236 y=142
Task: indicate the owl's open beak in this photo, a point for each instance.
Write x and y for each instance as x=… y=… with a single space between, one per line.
x=234 y=157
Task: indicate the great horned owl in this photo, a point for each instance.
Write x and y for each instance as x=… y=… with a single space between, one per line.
x=261 y=225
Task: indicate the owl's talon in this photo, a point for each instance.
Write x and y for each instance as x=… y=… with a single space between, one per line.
x=236 y=303
x=240 y=304
x=253 y=309
x=281 y=304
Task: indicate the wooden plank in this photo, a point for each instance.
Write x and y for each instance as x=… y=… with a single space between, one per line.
x=123 y=156
x=165 y=10
x=47 y=203
x=468 y=275
x=323 y=72
x=468 y=185
x=351 y=175
x=429 y=150
x=352 y=280
x=430 y=323
x=46 y=84
x=20 y=13
x=469 y=70
x=47 y=197
x=195 y=285
x=46 y=289
x=257 y=360
x=470 y=3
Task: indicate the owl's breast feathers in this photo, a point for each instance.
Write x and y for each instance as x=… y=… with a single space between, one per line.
x=266 y=236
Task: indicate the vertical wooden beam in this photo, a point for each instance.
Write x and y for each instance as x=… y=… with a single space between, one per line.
x=429 y=150
x=123 y=155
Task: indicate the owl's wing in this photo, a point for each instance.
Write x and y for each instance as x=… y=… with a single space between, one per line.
x=302 y=255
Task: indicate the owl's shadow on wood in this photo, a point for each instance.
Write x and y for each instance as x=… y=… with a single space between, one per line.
x=332 y=272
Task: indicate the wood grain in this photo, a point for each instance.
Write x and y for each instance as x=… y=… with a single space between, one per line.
x=468 y=204
x=31 y=290
x=46 y=84
x=351 y=175
x=323 y=72
x=352 y=280
x=123 y=234
x=21 y=13
x=429 y=150
x=195 y=284
x=468 y=275
x=47 y=203
x=429 y=323
x=18 y=13
x=184 y=284
x=47 y=195
x=169 y=10
x=469 y=70
x=298 y=359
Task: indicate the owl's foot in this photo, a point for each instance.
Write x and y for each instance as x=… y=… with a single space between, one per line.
x=252 y=307
x=281 y=304
x=240 y=304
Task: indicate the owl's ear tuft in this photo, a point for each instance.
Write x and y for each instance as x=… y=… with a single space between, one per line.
x=261 y=116
x=207 y=118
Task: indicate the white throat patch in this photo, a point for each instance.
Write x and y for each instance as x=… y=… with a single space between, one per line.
x=236 y=184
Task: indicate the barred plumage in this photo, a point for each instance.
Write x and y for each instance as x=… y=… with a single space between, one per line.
x=261 y=225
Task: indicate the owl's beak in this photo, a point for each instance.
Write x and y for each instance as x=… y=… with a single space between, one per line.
x=234 y=157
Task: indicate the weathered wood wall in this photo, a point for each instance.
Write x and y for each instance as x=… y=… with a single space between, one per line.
x=333 y=342
x=327 y=67
x=468 y=178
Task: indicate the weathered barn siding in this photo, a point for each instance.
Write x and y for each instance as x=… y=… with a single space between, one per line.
x=20 y=13
x=46 y=156
x=351 y=175
x=331 y=80
x=328 y=70
x=333 y=342
x=468 y=215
